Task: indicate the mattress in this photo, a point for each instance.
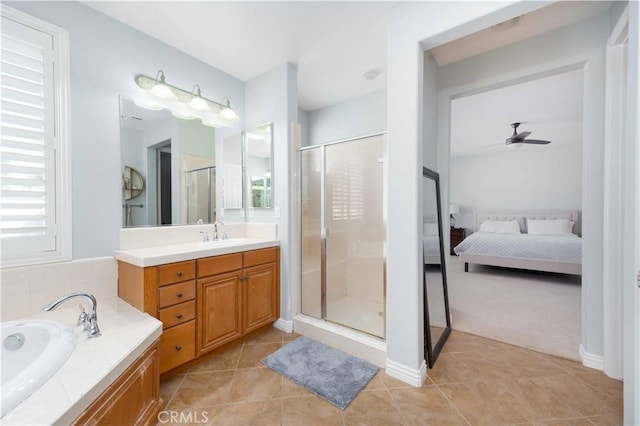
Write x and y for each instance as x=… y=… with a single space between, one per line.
x=558 y=248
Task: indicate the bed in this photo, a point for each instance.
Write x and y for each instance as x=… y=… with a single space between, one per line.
x=537 y=251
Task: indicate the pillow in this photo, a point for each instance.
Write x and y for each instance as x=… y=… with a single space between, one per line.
x=430 y=229
x=500 y=227
x=549 y=227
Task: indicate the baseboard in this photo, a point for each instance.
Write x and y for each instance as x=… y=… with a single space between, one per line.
x=590 y=360
x=284 y=325
x=408 y=375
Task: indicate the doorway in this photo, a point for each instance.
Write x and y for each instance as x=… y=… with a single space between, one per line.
x=164 y=184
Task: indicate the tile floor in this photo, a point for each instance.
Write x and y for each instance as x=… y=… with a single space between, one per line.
x=475 y=381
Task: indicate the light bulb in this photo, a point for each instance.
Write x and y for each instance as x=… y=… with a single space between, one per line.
x=197 y=102
x=515 y=145
x=161 y=89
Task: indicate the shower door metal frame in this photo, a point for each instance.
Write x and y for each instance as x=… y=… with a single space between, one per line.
x=324 y=232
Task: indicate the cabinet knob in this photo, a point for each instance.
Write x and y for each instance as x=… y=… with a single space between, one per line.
x=178 y=347
x=179 y=273
x=179 y=316
x=179 y=294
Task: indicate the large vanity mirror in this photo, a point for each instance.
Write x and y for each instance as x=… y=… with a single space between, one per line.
x=259 y=166
x=176 y=158
x=437 y=321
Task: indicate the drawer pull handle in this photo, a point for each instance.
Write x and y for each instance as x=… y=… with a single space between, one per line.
x=179 y=273
x=179 y=294
x=179 y=316
x=178 y=347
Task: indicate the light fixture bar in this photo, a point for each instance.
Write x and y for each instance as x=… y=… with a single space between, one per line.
x=148 y=83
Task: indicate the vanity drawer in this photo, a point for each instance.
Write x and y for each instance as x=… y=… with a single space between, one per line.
x=259 y=257
x=176 y=272
x=177 y=314
x=219 y=264
x=176 y=293
x=177 y=346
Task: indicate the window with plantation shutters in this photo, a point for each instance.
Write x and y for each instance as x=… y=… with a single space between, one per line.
x=34 y=198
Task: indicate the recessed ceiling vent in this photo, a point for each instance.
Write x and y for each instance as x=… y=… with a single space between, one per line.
x=506 y=25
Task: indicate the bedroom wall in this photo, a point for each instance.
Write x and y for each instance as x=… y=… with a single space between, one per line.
x=517 y=179
x=363 y=115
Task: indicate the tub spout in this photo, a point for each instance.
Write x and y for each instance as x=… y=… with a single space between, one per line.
x=89 y=320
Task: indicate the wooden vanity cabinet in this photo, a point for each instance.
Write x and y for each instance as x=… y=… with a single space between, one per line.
x=237 y=293
x=167 y=292
x=204 y=303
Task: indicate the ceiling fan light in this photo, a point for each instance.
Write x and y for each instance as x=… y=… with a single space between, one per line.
x=515 y=145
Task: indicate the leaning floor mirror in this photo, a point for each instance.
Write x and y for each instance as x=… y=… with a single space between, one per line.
x=437 y=321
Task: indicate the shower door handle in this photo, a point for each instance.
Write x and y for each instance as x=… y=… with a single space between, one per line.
x=324 y=233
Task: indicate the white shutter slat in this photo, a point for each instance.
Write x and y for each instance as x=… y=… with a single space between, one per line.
x=21 y=85
x=9 y=106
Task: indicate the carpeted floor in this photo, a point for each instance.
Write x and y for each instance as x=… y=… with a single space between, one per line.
x=534 y=310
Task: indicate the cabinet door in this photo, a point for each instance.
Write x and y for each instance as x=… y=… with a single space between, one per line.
x=260 y=296
x=133 y=399
x=219 y=310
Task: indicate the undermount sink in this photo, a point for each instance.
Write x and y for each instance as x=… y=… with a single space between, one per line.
x=32 y=352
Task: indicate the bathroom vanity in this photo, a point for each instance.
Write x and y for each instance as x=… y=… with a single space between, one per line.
x=205 y=295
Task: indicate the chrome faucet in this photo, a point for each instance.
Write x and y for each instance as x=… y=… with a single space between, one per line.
x=89 y=321
x=215 y=230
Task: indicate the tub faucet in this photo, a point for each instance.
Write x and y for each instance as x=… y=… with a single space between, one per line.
x=89 y=321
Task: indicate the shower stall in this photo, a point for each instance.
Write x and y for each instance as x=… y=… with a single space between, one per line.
x=343 y=233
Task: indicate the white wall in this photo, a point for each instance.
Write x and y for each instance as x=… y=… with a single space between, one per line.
x=105 y=57
x=303 y=120
x=360 y=116
x=578 y=46
x=273 y=97
x=529 y=178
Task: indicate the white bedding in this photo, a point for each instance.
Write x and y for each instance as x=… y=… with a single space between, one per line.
x=557 y=248
x=431 y=247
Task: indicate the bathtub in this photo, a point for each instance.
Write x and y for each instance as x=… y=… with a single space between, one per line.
x=32 y=352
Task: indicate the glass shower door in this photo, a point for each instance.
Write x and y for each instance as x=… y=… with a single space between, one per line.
x=312 y=263
x=355 y=234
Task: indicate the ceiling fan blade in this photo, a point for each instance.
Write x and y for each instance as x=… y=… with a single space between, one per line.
x=521 y=135
x=536 y=141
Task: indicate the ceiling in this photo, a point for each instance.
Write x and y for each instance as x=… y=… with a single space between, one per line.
x=332 y=42
x=550 y=108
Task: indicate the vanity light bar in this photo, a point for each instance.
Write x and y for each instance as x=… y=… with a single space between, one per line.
x=219 y=114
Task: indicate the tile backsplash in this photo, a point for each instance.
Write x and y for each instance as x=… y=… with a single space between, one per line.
x=25 y=290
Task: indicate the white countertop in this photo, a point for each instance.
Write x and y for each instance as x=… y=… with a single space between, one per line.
x=94 y=364
x=152 y=256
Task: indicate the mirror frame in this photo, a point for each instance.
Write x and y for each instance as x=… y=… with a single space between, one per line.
x=432 y=349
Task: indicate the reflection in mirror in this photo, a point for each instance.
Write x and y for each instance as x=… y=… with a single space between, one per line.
x=132 y=183
x=232 y=169
x=437 y=322
x=259 y=165
x=176 y=159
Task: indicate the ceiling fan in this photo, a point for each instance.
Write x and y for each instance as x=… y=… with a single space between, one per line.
x=517 y=139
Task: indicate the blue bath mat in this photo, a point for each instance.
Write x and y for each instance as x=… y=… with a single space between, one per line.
x=329 y=373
